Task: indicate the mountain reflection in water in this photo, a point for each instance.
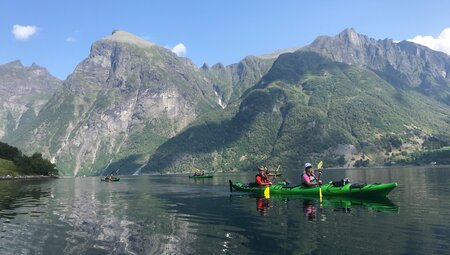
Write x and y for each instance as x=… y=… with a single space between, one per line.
x=177 y=215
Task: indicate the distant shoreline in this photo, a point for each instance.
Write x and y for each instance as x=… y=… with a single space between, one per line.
x=27 y=177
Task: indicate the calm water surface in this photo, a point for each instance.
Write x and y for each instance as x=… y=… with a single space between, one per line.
x=178 y=215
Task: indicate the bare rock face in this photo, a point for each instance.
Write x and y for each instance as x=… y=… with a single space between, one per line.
x=23 y=92
x=404 y=63
x=230 y=82
x=124 y=100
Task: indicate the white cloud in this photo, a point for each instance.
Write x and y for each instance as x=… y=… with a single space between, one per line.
x=23 y=32
x=440 y=43
x=180 y=50
x=71 y=39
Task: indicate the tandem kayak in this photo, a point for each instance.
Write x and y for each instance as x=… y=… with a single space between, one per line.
x=115 y=179
x=328 y=189
x=200 y=176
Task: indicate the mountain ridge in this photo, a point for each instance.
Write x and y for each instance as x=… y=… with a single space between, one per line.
x=134 y=105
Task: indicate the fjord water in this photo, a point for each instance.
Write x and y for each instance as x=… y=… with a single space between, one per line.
x=173 y=214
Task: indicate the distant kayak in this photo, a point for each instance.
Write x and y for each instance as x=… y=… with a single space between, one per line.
x=114 y=179
x=200 y=176
x=328 y=189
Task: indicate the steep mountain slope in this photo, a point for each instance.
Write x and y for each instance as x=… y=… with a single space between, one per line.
x=23 y=92
x=232 y=81
x=305 y=108
x=120 y=103
x=404 y=64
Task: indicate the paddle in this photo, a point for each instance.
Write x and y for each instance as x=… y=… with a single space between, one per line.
x=267 y=190
x=276 y=171
x=319 y=168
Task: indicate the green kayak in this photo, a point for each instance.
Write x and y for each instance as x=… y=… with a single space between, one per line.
x=200 y=176
x=114 y=179
x=328 y=189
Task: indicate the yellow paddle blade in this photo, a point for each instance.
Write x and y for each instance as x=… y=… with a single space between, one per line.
x=267 y=192
x=319 y=166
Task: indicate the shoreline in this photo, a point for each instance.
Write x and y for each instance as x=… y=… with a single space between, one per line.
x=26 y=177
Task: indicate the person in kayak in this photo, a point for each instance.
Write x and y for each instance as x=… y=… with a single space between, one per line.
x=261 y=178
x=309 y=179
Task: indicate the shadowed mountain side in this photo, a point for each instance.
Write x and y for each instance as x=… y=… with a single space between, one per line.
x=222 y=143
x=303 y=109
x=124 y=166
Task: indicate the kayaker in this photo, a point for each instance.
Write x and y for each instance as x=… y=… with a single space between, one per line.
x=309 y=179
x=261 y=178
x=203 y=173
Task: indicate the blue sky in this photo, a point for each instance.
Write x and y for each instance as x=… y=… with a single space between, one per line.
x=58 y=34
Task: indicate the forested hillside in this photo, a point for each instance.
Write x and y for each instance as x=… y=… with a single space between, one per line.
x=14 y=163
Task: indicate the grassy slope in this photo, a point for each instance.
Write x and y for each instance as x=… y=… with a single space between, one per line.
x=7 y=167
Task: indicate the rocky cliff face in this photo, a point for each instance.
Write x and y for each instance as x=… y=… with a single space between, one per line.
x=120 y=103
x=230 y=82
x=405 y=64
x=23 y=92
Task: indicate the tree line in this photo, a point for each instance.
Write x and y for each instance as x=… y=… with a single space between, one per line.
x=27 y=165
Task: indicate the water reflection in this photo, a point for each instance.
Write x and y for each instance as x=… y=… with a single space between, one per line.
x=262 y=205
x=20 y=197
x=309 y=209
x=312 y=207
x=176 y=215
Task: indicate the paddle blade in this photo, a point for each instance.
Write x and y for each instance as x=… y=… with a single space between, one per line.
x=319 y=166
x=267 y=192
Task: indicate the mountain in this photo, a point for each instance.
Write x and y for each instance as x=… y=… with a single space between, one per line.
x=404 y=64
x=23 y=92
x=231 y=81
x=349 y=100
x=119 y=105
x=336 y=99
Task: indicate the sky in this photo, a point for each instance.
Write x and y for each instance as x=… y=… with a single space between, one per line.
x=58 y=34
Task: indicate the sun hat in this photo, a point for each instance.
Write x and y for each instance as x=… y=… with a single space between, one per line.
x=307 y=165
